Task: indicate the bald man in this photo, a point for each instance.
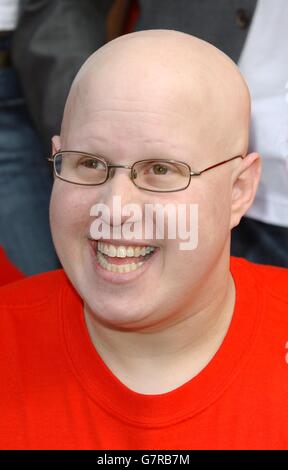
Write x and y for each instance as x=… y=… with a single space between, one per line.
x=149 y=342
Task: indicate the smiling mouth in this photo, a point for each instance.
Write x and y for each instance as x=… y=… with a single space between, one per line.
x=122 y=259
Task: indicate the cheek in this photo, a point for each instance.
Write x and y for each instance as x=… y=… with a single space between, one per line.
x=214 y=220
x=56 y=207
x=209 y=225
x=69 y=214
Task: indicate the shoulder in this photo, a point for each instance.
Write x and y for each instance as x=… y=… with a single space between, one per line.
x=32 y=290
x=271 y=279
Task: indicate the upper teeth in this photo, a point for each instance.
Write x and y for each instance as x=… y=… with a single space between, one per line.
x=121 y=251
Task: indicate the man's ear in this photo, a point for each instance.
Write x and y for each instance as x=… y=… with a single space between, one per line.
x=56 y=144
x=245 y=184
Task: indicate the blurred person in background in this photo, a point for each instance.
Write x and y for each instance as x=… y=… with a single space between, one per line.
x=8 y=272
x=25 y=178
x=55 y=36
x=263 y=235
x=53 y=39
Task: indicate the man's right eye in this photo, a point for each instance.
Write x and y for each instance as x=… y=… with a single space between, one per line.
x=89 y=163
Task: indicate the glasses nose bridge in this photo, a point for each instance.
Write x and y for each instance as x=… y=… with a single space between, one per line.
x=113 y=167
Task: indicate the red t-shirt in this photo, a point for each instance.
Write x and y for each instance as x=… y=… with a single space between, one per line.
x=57 y=393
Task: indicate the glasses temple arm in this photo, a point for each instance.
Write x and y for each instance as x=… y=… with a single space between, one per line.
x=197 y=173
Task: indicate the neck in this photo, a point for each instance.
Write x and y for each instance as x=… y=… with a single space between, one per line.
x=160 y=360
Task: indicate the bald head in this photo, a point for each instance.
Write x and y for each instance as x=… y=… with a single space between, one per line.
x=162 y=69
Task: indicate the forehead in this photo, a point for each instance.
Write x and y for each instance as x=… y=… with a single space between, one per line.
x=140 y=94
x=176 y=83
x=158 y=106
x=134 y=130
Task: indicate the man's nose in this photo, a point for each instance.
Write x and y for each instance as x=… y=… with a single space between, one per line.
x=119 y=183
x=119 y=189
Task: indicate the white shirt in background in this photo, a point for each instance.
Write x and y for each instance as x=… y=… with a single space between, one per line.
x=264 y=64
x=9 y=10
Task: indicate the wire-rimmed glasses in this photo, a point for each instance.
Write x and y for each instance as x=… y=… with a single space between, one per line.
x=157 y=175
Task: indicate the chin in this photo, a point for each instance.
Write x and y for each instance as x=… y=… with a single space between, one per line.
x=118 y=316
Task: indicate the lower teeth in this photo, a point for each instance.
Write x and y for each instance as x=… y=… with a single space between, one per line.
x=117 y=268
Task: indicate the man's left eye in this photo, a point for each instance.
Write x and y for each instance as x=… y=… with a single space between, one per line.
x=160 y=169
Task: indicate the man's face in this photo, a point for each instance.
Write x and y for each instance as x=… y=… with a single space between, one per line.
x=125 y=119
